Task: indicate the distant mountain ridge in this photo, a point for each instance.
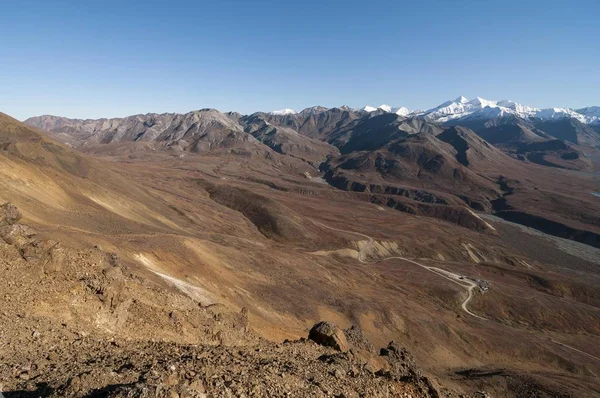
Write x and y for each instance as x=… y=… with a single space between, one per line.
x=382 y=143
x=479 y=108
x=408 y=163
x=196 y=131
x=506 y=124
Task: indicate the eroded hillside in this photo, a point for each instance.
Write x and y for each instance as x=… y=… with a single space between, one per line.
x=262 y=231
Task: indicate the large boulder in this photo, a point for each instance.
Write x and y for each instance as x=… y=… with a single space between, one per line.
x=55 y=259
x=37 y=250
x=16 y=234
x=329 y=335
x=9 y=214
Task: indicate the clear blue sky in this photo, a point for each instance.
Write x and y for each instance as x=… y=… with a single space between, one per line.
x=116 y=58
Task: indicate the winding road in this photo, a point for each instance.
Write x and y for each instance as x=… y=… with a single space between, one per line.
x=451 y=276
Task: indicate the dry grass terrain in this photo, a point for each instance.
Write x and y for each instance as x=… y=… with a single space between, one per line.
x=260 y=232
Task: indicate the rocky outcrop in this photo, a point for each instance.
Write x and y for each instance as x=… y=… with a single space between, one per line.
x=39 y=250
x=97 y=329
x=329 y=335
x=393 y=362
x=47 y=253
x=9 y=214
x=344 y=183
x=404 y=368
x=16 y=234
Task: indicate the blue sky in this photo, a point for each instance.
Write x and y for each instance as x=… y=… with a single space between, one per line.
x=116 y=58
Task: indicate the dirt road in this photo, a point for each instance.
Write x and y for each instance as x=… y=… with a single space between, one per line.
x=451 y=276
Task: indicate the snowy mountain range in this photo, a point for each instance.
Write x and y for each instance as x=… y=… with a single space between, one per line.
x=479 y=109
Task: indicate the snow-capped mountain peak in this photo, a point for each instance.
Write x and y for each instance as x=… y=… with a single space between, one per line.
x=482 y=103
x=518 y=108
x=402 y=111
x=368 y=109
x=481 y=108
x=477 y=108
x=286 y=111
x=313 y=110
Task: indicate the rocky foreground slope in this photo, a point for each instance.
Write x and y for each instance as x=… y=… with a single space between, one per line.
x=79 y=323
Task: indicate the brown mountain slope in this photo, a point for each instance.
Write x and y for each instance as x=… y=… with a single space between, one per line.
x=336 y=256
x=287 y=141
x=453 y=165
x=23 y=143
x=449 y=162
x=82 y=323
x=378 y=131
x=523 y=140
x=202 y=131
x=316 y=122
x=473 y=151
x=47 y=179
x=199 y=131
x=570 y=130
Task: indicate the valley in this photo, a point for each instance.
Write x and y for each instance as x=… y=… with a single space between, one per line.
x=399 y=226
x=205 y=200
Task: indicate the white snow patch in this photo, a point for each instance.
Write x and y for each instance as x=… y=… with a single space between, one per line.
x=402 y=111
x=286 y=111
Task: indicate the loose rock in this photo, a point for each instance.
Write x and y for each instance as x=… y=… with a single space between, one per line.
x=329 y=335
x=9 y=214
